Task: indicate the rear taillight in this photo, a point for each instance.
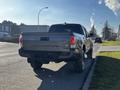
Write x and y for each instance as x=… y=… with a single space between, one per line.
x=72 y=40
x=21 y=40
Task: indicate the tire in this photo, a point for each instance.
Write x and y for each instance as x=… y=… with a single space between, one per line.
x=90 y=53
x=34 y=64
x=79 y=63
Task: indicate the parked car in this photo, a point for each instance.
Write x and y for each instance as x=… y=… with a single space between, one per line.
x=98 y=40
x=63 y=42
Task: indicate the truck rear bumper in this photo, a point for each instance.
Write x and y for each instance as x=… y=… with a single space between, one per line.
x=48 y=56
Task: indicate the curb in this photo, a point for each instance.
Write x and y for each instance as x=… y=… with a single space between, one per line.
x=88 y=77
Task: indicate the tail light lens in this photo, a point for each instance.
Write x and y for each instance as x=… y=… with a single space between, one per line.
x=21 y=40
x=72 y=40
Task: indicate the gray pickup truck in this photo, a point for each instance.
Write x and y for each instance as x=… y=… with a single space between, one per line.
x=63 y=42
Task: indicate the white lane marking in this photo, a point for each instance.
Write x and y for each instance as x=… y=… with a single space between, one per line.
x=8 y=54
x=6 y=43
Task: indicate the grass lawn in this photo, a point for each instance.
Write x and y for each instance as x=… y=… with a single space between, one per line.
x=107 y=72
x=111 y=43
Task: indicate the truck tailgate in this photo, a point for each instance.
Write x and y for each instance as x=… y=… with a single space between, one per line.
x=41 y=41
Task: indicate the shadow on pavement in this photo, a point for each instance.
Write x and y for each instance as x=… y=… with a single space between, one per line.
x=63 y=79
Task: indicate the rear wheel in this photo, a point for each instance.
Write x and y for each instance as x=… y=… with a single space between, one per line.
x=34 y=64
x=79 y=63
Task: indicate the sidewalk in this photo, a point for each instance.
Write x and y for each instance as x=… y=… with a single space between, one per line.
x=109 y=48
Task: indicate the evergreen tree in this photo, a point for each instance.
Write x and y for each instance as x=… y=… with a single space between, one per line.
x=93 y=31
x=118 y=32
x=107 y=31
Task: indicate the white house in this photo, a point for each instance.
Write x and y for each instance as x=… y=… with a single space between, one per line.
x=33 y=28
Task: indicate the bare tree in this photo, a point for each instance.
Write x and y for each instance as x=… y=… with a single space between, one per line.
x=15 y=29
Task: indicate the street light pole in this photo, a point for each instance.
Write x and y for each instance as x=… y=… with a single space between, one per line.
x=40 y=10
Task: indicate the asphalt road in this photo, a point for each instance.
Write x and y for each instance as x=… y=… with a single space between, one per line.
x=16 y=73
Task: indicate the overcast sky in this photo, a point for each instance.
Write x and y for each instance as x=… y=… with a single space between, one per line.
x=85 y=12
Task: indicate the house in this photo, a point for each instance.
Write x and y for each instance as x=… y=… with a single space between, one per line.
x=33 y=28
x=6 y=26
x=12 y=31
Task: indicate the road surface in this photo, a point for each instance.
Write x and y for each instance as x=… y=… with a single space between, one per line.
x=16 y=73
